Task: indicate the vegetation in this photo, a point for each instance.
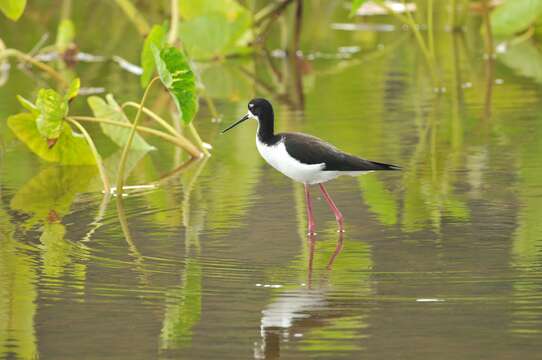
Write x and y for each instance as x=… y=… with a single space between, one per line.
x=451 y=95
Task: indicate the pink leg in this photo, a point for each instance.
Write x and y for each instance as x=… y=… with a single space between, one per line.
x=338 y=216
x=310 y=216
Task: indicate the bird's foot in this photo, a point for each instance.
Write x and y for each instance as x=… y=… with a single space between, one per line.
x=341 y=231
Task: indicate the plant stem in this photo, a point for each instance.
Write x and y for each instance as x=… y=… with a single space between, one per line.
x=153 y=116
x=173 y=30
x=134 y=15
x=99 y=163
x=430 y=35
x=488 y=32
x=453 y=16
x=124 y=156
x=29 y=59
x=270 y=11
x=196 y=136
x=181 y=142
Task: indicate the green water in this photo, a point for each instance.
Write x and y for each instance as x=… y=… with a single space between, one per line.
x=440 y=261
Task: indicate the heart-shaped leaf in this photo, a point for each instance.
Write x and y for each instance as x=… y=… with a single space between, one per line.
x=214 y=28
x=13 y=9
x=112 y=111
x=70 y=149
x=156 y=37
x=514 y=16
x=52 y=107
x=179 y=79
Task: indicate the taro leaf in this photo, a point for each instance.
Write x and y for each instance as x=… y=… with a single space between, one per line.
x=356 y=4
x=156 y=37
x=214 y=27
x=513 y=16
x=73 y=90
x=178 y=78
x=28 y=105
x=206 y=36
x=13 y=9
x=65 y=35
x=192 y=9
x=112 y=111
x=70 y=149
x=52 y=108
x=525 y=59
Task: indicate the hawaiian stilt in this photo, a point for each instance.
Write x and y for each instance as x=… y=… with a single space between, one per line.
x=304 y=158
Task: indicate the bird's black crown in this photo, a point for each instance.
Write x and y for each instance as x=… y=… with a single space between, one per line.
x=261 y=108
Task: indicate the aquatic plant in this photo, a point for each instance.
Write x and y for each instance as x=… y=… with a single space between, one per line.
x=46 y=129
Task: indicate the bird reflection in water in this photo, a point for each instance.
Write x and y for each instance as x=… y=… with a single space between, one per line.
x=294 y=310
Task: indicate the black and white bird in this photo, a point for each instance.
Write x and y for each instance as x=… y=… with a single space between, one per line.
x=304 y=158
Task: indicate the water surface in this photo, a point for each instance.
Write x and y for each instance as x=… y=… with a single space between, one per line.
x=441 y=260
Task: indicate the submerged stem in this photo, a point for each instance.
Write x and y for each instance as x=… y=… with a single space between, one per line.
x=99 y=163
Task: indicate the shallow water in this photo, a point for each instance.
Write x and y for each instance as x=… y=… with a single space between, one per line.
x=441 y=260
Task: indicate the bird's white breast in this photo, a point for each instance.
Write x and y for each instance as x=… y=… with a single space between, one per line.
x=277 y=156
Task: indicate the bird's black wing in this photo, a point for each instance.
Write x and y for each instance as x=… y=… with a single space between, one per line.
x=308 y=149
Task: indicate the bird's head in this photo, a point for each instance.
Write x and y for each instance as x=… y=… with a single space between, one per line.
x=258 y=109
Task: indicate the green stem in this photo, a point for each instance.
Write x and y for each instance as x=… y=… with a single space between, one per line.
x=135 y=16
x=453 y=16
x=270 y=10
x=153 y=116
x=430 y=34
x=196 y=136
x=29 y=59
x=180 y=141
x=99 y=163
x=173 y=30
x=124 y=156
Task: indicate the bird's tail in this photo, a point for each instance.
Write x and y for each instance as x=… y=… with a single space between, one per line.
x=382 y=166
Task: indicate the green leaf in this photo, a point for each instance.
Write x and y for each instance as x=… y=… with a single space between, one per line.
x=514 y=16
x=65 y=35
x=70 y=149
x=525 y=59
x=206 y=36
x=156 y=37
x=73 y=90
x=213 y=28
x=52 y=108
x=28 y=105
x=356 y=4
x=112 y=111
x=192 y=9
x=179 y=79
x=13 y=9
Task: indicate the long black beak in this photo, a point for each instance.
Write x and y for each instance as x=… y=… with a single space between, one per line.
x=235 y=124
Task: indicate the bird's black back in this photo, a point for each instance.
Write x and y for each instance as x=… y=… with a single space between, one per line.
x=309 y=150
